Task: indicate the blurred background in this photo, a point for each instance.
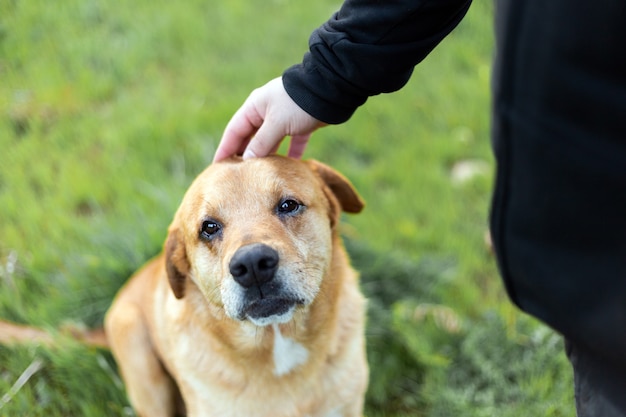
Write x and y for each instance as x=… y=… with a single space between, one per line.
x=108 y=110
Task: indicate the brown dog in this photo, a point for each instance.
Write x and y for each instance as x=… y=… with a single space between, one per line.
x=253 y=308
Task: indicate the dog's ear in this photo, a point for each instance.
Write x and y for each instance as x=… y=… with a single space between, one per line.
x=176 y=263
x=340 y=187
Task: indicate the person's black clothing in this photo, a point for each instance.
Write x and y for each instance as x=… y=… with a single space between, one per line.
x=367 y=48
x=558 y=215
x=559 y=132
x=598 y=386
x=559 y=209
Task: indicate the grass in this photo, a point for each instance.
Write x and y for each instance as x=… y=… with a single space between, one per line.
x=107 y=111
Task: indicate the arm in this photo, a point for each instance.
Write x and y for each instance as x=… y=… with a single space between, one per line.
x=367 y=48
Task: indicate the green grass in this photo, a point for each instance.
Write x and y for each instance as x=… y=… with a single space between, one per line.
x=107 y=112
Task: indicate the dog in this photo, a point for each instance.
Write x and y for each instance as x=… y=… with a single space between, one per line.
x=253 y=308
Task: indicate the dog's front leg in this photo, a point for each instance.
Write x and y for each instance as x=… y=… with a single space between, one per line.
x=150 y=389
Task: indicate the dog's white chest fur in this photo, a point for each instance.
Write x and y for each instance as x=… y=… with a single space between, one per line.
x=288 y=354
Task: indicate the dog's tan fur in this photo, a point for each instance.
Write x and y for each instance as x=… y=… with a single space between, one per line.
x=179 y=326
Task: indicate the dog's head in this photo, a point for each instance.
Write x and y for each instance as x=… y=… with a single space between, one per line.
x=255 y=237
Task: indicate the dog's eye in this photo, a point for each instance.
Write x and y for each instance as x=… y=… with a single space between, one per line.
x=289 y=206
x=210 y=229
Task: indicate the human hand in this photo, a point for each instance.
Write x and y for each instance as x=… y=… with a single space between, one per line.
x=263 y=121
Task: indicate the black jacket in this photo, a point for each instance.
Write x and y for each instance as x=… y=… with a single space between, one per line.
x=559 y=133
x=559 y=136
x=367 y=48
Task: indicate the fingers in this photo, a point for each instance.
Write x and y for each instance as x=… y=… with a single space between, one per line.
x=231 y=145
x=264 y=120
x=297 y=145
x=266 y=140
x=244 y=124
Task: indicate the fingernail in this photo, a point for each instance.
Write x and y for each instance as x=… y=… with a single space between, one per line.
x=247 y=154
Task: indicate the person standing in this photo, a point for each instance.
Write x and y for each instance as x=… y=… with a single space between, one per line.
x=558 y=214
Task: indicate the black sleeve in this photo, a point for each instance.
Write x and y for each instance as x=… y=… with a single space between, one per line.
x=367 y=48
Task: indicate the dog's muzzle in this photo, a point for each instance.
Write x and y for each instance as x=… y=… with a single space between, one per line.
x=254 y=268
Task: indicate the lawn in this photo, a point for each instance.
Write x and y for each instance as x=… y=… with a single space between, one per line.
x=109 y=110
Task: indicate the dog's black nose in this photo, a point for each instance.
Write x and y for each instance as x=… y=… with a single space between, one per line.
x=254 y=264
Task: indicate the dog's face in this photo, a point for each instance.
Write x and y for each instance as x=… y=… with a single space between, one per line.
x=255 y=237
